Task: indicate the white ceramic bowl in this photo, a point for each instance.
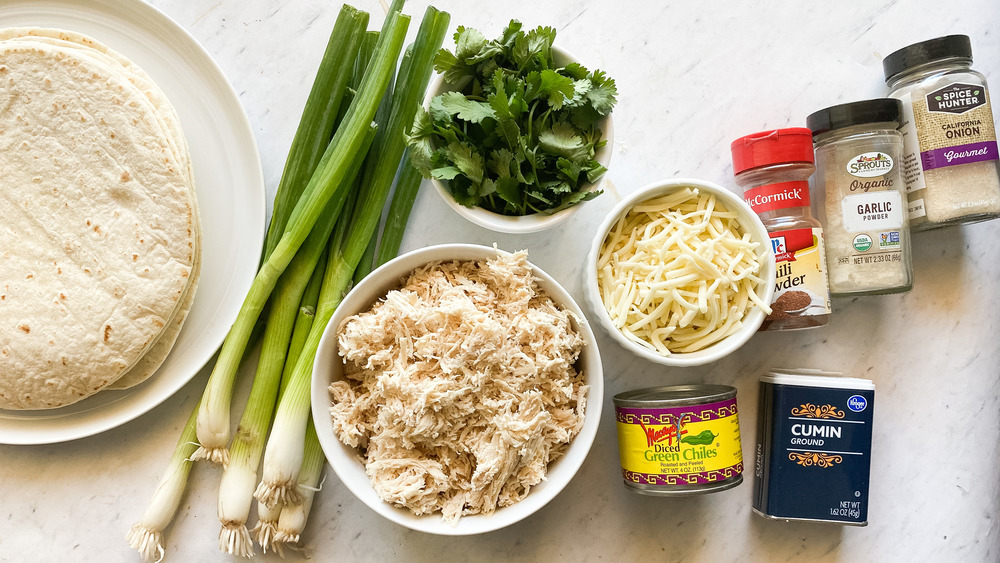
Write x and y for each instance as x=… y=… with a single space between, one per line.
x=751 y=321
x=344 y=459
x=525 y=223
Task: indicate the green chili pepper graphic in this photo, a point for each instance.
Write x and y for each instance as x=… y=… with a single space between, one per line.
x=702 y=439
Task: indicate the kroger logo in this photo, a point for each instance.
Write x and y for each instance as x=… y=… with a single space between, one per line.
x=857 y=403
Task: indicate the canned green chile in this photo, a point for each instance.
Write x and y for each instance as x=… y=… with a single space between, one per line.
x=679 y=440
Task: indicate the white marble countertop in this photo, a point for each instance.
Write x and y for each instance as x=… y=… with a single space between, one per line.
x=692 y=76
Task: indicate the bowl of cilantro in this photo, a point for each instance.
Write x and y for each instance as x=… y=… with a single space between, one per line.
x=515 y=132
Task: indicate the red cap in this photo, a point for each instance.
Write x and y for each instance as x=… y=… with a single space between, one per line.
x=778 y=146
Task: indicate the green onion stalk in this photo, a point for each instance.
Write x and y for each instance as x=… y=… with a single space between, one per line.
x=287 y=523
x=146 y=535
x=284 y=453
x=292 y=520
x=319 y=116
x=323 y=311
x=405 y=194
x=267 y=518
x=387 y=245
x=239 y=478
x=292 y=307
x=329 y=177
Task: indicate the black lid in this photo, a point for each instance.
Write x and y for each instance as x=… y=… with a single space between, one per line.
x=949 y=46
x=855 y=113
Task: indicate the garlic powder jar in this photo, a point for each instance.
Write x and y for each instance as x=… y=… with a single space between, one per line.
x=950 y=158
x=858 y=168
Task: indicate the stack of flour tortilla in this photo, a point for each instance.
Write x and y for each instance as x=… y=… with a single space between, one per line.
x=99 y=230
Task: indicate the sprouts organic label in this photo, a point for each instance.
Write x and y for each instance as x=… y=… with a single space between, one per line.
x=870 y=165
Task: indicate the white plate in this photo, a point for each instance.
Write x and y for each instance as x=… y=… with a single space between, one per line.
x=230 y=186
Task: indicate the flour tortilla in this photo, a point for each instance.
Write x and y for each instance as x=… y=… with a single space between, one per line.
x=138 y=77
x=170 y=121
x=99 y=232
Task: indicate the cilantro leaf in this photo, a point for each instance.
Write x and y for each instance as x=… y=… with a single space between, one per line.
x=549 y=85
x=455 y=103
x=576 y=71
x=467 y=160
x=533 y=51
x=472 y=47
x=603 y=95
x=509 y=35
x=445 y=172
x=510 y=190
x=500 y=163
x=562 y=140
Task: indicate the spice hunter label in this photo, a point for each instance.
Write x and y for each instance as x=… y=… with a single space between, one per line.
x=949 y=126
x=689 y=445
x=801 y=286
x=956 y=125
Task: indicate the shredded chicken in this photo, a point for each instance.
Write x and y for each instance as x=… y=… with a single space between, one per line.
x=460 y=388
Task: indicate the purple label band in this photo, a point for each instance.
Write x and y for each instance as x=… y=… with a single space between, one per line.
x=962 y=154
x=705 y=478
x=670 y=415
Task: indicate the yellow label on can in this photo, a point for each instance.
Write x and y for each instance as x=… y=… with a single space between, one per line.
x=695 y=444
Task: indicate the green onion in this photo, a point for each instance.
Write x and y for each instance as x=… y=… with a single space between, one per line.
x=146 y=535
x=303 y=320
x=329 y=178
x=284 y=453
x=267 y=518
x=403 y=197
x=318 y=118
x=292 y=520
x=267 y=526
x=367 y=263
x=240 y=476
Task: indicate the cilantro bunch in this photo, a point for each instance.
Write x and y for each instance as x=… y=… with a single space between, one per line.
x=517 y=135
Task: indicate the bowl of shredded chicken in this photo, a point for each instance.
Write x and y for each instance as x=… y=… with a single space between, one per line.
x=681 y=273
x=457 y=390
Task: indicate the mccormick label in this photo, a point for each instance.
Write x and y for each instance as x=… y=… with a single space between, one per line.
x=813 y=451
x=679 y=446
x=801 y=288
x=777 y=196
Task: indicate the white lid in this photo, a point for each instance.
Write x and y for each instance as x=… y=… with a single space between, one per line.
x=816 y=378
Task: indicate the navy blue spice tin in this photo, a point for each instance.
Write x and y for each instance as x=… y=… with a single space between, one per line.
x=814 y=442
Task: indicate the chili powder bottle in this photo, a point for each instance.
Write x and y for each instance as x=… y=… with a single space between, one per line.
x=773 y=168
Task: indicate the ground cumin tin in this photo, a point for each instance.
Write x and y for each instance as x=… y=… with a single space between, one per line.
x=814 y=445
x=679 y=440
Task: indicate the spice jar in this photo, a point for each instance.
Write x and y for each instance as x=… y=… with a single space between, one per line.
x=950 y=159
x=773 y=168
x=858 y=151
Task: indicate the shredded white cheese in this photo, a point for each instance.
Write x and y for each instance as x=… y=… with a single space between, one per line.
x=677 y=273
x=460 y=388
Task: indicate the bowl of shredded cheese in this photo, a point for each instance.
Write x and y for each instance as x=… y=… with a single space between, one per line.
x=457 y=389
x=681 y=272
